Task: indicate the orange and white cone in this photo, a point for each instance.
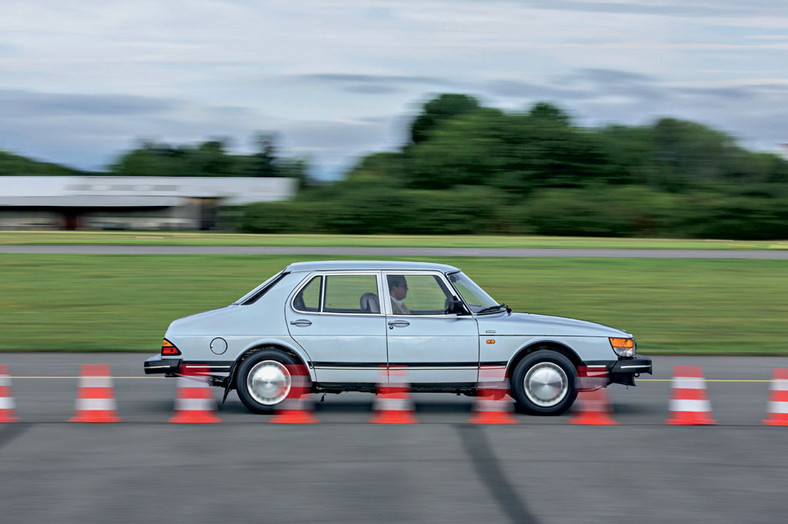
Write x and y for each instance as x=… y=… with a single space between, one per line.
x=7 y=405
x=493 y=404
x=297 y=407
x=778 y=403
x=689 y=404
x=592 y=407
x=393 y=404
x=194 y=400
x=95 y=397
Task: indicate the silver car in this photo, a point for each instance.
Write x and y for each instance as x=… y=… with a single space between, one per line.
x=345 y=321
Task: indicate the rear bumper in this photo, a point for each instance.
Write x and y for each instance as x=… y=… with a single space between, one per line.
x=156 y=365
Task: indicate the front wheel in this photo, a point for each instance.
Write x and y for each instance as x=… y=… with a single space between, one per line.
x=264 y=381
x=544 y=383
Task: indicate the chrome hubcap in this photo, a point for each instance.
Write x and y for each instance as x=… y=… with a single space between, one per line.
x=268 y=382
x=546 y=384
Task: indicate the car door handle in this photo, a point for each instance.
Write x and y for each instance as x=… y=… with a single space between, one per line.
x=398 y=323
x=302 y=322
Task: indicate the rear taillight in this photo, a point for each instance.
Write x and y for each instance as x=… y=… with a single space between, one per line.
x=168 y=348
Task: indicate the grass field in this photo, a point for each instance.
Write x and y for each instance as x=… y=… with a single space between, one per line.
x=227 y=239
x=124 y=303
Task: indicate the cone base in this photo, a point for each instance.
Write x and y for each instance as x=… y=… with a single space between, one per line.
x=294 y=417
x=95 y=417
x=776 y=421
x=593 y=420
x=691 y=420
x=8 y=420
x=394 y=417
x=199 y=417
x=493 y=418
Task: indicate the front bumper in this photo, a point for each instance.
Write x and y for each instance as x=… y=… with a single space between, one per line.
x=625 y=370
x=156 y=365
x=622 y=371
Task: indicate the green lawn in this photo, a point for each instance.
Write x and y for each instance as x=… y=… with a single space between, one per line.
x=228 y=239
x=124 y=303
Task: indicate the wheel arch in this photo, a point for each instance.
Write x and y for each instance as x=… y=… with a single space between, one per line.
x=232 y=377
x=549 y=345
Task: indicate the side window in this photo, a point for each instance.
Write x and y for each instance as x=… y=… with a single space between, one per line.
x=417 y=294
x=350 y=294
x=308 y=299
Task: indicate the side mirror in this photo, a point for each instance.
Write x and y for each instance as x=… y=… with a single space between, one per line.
x=455 y=307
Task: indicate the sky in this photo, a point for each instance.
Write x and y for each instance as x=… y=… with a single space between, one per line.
x=81 y=82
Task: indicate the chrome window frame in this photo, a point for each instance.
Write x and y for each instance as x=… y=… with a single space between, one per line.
x=439 y=274
x=325 y=275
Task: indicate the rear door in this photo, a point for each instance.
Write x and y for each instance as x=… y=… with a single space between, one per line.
x=346 y=342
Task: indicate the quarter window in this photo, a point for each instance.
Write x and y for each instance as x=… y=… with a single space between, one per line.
x=308 y=299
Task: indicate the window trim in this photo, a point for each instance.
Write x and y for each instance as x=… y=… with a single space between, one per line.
x=325 y=275
x=414 y=272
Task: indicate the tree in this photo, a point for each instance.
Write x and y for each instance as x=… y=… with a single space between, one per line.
x=264 y=163
x=438 y=110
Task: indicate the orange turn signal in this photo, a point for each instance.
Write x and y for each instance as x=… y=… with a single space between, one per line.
x=622 y=342
x=624 y=347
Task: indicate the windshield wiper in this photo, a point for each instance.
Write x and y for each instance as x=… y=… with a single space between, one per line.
x=496 y=307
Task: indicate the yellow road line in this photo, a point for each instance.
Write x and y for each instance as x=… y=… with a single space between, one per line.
x=16 y=377
x=707 y=380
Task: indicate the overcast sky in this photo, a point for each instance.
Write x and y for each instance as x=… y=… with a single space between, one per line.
x=82 y=81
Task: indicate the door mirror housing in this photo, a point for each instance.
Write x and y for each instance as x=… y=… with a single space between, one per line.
x=455 y=306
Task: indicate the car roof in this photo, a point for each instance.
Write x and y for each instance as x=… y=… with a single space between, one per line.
x=368 y=265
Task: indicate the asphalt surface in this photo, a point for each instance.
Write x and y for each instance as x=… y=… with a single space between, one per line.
x=394 y=251
x=348 y=470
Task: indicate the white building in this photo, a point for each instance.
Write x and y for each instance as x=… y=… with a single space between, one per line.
x=111 y=202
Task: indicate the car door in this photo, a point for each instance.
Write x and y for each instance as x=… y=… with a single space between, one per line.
x=346 y=342
x=435 y=346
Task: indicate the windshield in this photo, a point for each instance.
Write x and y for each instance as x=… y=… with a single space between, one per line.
x=473 y=295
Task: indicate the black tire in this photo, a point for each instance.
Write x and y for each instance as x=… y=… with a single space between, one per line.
x=263 y=380
x=544 y=383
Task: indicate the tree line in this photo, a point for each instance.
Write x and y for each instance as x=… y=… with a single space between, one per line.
x=465 y=168
x=470 y=169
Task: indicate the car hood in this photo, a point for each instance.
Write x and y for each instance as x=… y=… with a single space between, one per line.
x=530 y=324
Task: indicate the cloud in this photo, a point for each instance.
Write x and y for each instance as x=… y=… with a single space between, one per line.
x=29 y=104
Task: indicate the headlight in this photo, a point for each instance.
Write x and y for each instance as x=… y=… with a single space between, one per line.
x=624 y=347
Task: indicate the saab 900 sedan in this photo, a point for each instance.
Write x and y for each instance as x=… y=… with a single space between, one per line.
x=344 y=321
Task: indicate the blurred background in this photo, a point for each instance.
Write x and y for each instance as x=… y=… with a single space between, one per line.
x=657 y=119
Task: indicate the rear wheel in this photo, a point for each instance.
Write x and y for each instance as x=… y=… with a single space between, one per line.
x=263 y=380
x=544 y=383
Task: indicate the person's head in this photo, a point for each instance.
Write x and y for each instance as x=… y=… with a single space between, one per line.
x=398 y=286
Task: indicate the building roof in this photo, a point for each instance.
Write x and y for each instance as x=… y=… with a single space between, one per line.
x=115 y=191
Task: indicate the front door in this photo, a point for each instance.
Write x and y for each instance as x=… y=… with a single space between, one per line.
x=335 y=319
x=435 y=346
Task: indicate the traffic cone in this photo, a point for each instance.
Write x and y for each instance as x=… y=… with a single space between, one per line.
x=778 y=403
x=95 y=397
x=194 y=400
x=689 y=405
x=393 y=404
x=7 y=405
x=592 y=407
x=493 y=404
x=296 y=408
